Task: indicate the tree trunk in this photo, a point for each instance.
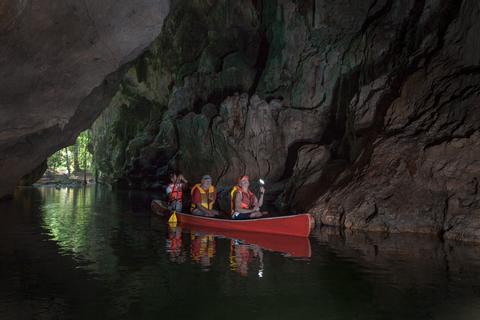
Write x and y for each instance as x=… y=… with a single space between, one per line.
x=85 y=165
x=67 y=160
x=76 y=164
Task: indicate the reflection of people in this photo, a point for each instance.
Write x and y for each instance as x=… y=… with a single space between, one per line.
x=202 y=248
x=204 y=196
x=174 y=243
x=242 y=255
x=175 y=191
x=244 y=203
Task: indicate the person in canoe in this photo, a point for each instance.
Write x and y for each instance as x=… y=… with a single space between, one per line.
x=175 y=189
x=244 y=204
x=204 y=196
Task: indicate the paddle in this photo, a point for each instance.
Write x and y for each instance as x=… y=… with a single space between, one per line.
x=173 y=217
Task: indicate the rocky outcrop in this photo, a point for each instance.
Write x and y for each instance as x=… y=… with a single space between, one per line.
x=205 y=84
x=418 y=167
x=365 y=114
x=34 y=176
x=60 y=64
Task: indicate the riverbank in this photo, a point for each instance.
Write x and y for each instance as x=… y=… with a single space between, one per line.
x=63 y=179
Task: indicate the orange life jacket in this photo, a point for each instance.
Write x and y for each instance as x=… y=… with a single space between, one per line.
x=208 y=197
x=174 y=242
x=248 y=198
x=177 y=192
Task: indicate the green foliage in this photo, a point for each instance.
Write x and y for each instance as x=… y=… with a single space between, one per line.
x=56 y=160
x=64 y=159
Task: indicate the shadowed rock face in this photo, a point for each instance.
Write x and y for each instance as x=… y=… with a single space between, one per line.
x=60 y=63
x=364 y=113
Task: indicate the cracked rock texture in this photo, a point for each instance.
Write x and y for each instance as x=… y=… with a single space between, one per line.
x=365 y=113
x=60 y=64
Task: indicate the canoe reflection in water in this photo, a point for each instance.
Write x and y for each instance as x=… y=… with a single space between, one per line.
x=202 y=248
x=242 y=255
x=174 y=244
x=246 y=249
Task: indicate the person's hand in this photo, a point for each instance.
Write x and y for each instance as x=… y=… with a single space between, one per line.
x=256 y=209
x=262 y=190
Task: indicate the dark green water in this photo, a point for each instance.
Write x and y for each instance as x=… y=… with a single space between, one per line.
x=98 y=254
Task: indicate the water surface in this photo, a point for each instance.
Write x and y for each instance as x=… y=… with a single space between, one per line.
x=98 y=254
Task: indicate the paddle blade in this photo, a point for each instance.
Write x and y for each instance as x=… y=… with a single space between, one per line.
x=173 y=218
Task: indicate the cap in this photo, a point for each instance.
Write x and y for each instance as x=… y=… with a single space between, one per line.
x=243 y=178
x=206 y=177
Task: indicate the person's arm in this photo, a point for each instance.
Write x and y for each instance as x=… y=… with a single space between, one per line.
x=260 y=201
x=238 y=204
x=169 y=189
x=181 y=178
x=203 y=209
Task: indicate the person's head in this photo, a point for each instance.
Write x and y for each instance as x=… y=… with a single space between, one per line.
x=177 y=177
x=244 y=182
x=206 y=181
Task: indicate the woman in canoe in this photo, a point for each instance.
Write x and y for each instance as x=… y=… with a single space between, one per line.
x=178 y=184
x=244 y=204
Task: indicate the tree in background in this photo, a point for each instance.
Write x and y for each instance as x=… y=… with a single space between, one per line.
x=55 y=161
x=67 y=161
x=75 y=159
x=76 y=163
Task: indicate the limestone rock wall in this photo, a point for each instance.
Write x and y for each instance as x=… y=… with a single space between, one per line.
x=365 y=113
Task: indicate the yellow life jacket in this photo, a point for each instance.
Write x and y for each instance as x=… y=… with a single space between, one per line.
x=208 y=197
x=233 y=192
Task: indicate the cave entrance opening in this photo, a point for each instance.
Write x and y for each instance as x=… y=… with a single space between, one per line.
x=72 y=165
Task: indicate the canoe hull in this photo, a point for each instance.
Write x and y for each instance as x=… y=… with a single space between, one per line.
x=298 y=225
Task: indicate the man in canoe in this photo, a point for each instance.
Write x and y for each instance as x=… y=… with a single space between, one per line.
x=244 y=203
x=175 y=190
x=204 y=196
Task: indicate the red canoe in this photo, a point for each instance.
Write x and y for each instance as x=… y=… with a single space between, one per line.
x=298 y=225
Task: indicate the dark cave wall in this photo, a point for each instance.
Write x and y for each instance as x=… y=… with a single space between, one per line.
x=365 y=114
x=60 y=64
